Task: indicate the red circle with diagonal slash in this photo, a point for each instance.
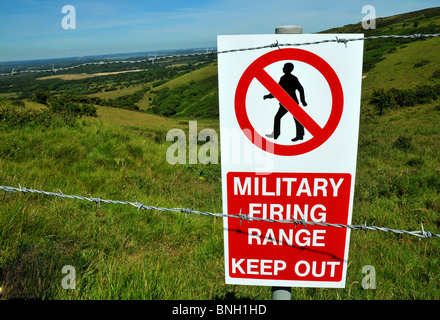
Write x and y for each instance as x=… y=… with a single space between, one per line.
x=256 y=71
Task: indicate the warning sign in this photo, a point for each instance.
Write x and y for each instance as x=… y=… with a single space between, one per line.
x=287 y=102
x=289 y=121
x=263 y=250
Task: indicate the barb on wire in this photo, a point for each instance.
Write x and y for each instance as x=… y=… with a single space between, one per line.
x=303 y=222
x=278 y=45
x=344 y=41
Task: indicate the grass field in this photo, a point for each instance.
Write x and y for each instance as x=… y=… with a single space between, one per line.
x=120 y=252
x=400 y=68
x=75 y=76
x=186 y=78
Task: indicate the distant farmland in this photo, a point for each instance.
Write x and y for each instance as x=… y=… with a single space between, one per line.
x=79 y=76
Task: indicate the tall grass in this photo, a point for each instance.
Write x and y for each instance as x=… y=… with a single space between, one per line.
x=118 y=252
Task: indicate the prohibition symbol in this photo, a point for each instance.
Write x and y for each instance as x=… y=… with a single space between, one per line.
x=256 y=71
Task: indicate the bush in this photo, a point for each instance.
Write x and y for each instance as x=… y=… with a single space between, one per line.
x=40 y=97
x=64 y=107
x=16 y=118
x=416 y=162
x=392 y=50
x=393 y=97
x=411 y=97
x=402 y=143
x=402 y=98
x=18 y=103
x=382 y=99
x=61 y=112
x=436 y=74
x=421 y=63
x=424 y=94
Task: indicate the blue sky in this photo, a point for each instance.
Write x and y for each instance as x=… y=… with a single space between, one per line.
x=31 y=29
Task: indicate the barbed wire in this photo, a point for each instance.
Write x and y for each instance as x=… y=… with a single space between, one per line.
x=206 y=53
x=243 y=217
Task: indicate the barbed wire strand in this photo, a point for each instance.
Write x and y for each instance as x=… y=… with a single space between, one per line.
x=206 y=53
x=242 y=217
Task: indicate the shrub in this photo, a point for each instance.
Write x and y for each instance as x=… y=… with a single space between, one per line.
x=382 y=99
x=404 y=97
x=40 y=97
x=64 y=107
x=14 y=117
x=416 y=162
x=18 y=103
x=421 y=63
x=402 y=143
x=61 y=112
x=436 y=74
x=392 y=50
x=424 y=94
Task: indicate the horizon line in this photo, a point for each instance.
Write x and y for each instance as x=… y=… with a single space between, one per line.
x=131 y=54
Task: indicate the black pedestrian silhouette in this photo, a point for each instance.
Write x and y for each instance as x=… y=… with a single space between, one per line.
x=290 y=84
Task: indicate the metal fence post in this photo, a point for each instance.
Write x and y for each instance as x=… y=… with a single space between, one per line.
x=288 y=30
x=284 y=293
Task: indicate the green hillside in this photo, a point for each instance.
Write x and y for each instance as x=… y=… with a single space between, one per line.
x=407 y=66
x=193 y=94
x=105 y=136
x=425 y=21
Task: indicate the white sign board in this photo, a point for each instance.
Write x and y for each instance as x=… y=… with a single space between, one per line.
x=289 y=121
